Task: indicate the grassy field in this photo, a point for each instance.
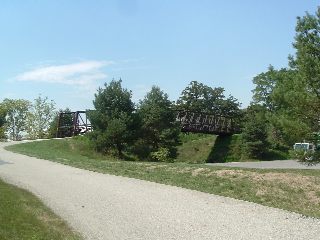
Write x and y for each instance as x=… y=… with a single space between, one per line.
x=23 y=216
x=293 y=190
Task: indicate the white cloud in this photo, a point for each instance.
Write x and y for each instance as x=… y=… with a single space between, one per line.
x=82 y=74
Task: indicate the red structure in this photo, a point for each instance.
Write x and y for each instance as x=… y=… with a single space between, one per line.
x=72 y=124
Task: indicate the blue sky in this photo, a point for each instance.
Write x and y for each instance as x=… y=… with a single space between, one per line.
x=67 y=49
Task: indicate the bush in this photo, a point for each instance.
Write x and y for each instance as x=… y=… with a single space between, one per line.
x=162 y=155
x=141 y=149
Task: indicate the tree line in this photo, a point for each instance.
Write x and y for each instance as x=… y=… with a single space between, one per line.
x=147 y=129
x=286 y=102
x=20 y=117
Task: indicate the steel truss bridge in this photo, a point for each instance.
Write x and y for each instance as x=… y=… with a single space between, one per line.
x=199 y=122
x=72 y=124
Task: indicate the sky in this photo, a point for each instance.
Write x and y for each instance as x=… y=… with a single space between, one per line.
x=66 y=50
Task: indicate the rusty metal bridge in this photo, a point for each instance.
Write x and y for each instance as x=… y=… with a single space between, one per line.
x=72 y=124
x=199 y=122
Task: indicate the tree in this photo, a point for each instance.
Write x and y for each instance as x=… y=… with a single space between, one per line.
x=39 y=117
x=307 y=44
x=16 y=118
x=287 y=102
x=307 y=59
x=230 y=107
x=2 y=121
x=265 y=83
x=159 y=129
x=113 y=120
x=201 y=98
x=254 y=134
x=291 y=96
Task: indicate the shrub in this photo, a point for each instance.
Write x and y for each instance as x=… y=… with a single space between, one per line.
x=162 y=155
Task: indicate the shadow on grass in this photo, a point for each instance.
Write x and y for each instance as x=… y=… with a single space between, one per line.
x=221 y=149
x=272 y=155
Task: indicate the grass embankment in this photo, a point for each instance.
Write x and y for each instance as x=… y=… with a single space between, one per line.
x=203 y=148
x=23 y=216
x=293 y=190
x=195 y=148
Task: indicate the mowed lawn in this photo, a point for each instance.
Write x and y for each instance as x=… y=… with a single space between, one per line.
x=293 y=190
x=23 y=216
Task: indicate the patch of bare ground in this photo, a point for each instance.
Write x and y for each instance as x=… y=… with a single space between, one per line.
x=198 y=171
x=275 y=183
x=227 y=173
x=152 y=167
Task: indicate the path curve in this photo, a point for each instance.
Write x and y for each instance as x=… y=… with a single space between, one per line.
x=102 y=206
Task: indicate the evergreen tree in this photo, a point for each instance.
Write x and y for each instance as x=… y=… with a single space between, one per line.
x=254 y=134
x=113 y=119
x=159 y=129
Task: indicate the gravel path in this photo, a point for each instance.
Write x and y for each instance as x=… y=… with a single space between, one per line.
x=277 y=164
x=102 y=206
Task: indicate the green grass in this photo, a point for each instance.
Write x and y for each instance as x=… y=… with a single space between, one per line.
x=293 y=190
x=226 y=149
x=195 y=148
x=203 y=148
x=23 y=216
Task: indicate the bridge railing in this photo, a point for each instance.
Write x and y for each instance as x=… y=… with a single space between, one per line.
x=205 y=123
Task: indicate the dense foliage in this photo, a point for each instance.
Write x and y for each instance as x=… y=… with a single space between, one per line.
x=159 y=131
x=202 y=98
x=291 y=96
x=21 y=118
x=39 y=117
x=113 y=119
x=254 y=133
x=149 y=130
x=16 y=116
x=2 y=121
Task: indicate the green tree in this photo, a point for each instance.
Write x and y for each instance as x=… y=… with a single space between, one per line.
x=287 y=102
x=160 y=131
x=307 y=59
x=113 y=120
x=254 y=134
x=264 y=85
x=307 y=44
x=230 y=107
x=2 y=121
x=39 y=117
x=201 y=98
x=16 y=118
